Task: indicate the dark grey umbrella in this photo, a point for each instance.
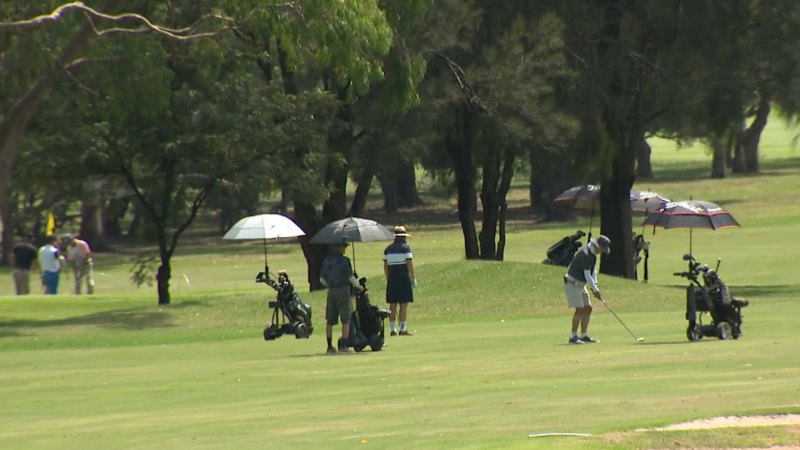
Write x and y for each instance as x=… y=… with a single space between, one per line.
x=691 y=214
x=352 y=229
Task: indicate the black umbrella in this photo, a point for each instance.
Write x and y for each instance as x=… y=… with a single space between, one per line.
x=691 y=214
x=352 y=229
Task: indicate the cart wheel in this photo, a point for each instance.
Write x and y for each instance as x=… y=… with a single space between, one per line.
x=300 y=331
x=724 y=330
x=376 y=343
x=736 y=331
x=694 y=333
x=270 y=333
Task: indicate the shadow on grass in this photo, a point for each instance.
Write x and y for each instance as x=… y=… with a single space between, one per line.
x=123 y=319
x=765 y=291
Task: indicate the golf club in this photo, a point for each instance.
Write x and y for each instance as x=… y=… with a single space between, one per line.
x=638 y=338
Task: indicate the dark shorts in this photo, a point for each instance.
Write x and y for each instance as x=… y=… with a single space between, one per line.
x=338 y=306
x=399 y=288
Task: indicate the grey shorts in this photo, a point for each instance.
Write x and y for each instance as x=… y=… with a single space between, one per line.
x=338 y=306
x=577 y=295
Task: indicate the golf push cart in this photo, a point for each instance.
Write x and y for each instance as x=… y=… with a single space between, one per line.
x=561 y=253
x=366 y=322
x=290 y=314
x=711 y=297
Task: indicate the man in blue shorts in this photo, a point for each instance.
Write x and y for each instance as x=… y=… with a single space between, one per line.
x=582 y=271
x=337 y=275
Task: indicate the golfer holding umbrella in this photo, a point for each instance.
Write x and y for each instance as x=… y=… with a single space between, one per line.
x=583 y=271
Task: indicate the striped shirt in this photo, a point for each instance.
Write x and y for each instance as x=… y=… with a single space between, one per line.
x=397 y=253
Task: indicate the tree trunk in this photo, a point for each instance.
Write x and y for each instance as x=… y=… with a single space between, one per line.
x=306 y=216
x=389 y=194
x=162 y=281
x=643 y=167
x=615 y=206
x=505 y=185
x=738 y=163
x=359 y=203
x=752 y=136
x=489 y=202
x=115 y=210
x=718 y=160
x=407 y=194
x=8 y=222
x=91 y=229
x=458 y=144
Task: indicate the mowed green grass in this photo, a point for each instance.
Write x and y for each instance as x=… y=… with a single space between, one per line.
x=489 y=363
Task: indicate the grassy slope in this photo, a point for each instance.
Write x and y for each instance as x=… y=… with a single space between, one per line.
x=487 y=367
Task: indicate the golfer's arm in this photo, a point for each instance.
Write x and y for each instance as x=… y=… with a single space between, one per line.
x=591 y=280
x=385 y=269
x=410 y=265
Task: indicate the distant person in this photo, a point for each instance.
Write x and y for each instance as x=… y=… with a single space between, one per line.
x=398 y=268
x=50 y=263
x=22 y=257
x=582 y=271
x=80 y=256
x=337 y=275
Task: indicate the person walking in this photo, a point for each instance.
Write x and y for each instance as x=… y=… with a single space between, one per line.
x=80 y=256
x=22 y=257
x=582 y=271
x=50 y=263
x=337 y=275
x=398 y=267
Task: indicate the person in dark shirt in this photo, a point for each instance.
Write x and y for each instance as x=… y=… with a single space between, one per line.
x=337 y=275
x=582 y=271
x=398 y=268
x=22 y=257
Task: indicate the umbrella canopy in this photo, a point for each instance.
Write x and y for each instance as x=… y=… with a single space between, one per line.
x=264 y=226
x=580 y=197
x=691 y=214
x=352 y=229
x=587 y=197
x=647 y=201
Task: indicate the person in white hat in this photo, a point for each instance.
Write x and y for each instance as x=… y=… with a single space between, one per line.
x=398 y=268
x=582 y=271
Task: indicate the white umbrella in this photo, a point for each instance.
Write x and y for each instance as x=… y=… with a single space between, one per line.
x=264 y=226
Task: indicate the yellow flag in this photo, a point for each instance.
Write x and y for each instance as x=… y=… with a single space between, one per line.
x=51 y=225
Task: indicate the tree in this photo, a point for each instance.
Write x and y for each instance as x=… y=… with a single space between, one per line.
x=338 y=49
x=71 y=38
x=494 y=77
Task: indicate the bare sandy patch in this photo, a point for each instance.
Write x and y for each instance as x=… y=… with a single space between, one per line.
x=731 y=422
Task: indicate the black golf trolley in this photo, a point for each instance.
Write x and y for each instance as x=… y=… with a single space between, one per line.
x=561 y=253
x=366 y=322
x=290 y=315
x=711 y=297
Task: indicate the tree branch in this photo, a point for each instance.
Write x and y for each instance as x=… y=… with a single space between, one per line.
x=145 y=25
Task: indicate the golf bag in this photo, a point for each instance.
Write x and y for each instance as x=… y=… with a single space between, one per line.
x=289 y=313
x=366 y=323
x=639 y=245
x=561 y=253
x=711 y=297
